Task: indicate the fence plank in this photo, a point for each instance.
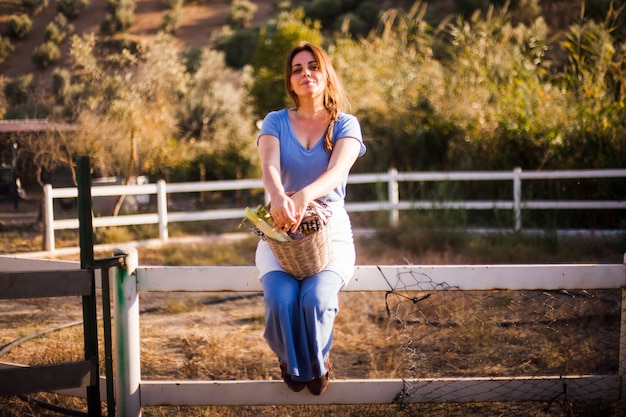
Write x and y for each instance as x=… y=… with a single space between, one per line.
x=34 y=284
x=26 y=379
x=23 y=262
x=398 y=277
x=380 y=391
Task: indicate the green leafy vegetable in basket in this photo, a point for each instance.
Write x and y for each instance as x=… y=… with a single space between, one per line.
x=262 y=219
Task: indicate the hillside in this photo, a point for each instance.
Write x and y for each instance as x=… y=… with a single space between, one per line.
x=199 y=22
x=201 y=19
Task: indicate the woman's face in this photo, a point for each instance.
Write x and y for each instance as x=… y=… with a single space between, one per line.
x=307 y=78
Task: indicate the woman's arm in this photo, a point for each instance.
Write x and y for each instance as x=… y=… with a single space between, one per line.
x=282 y=205
x=287 y=211
x=344 y=154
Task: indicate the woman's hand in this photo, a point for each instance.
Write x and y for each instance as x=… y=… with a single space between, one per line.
x=288 y=210
x=300 y=203
x=283 y=212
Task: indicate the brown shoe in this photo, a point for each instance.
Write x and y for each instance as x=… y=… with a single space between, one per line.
x=319 y=384
x=295 y=386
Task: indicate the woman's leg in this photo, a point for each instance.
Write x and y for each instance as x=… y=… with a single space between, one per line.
x=283 y=322
x=320 y=305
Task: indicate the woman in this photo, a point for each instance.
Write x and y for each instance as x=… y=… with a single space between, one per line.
x=306 y=153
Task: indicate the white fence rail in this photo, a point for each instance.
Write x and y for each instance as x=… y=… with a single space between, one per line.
x=393 y=204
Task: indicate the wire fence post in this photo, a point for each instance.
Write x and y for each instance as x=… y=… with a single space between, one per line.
x=127 y=366
x=394 y=197
x=517 y=197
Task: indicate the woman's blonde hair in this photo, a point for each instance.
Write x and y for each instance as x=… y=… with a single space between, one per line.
x=334 y=97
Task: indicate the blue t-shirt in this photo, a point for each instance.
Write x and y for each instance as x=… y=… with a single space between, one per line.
x=300 y=166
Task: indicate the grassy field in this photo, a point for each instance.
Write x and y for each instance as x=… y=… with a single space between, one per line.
x=212 y=336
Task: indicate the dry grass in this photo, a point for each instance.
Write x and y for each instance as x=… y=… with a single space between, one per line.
x=219 y=336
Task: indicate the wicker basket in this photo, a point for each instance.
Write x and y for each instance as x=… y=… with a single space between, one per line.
x=309 y=255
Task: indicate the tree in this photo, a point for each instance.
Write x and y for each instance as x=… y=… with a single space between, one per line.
x=127 y=106
x=594 y=76
x=397 y=104
x=499 y=91
x=216 y=122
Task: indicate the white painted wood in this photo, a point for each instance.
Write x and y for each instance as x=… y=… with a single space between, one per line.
x=370 y=391
x=393 y=204
x=126 y=360
x=398 y=277
x=198 y=278
x=17 y=264
x=162 y=210
x=592 y=205
x=380 y=391
x=185 y=187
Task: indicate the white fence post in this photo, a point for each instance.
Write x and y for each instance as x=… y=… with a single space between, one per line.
x=126 y=362
x=162 y=209
x=517 y=197
x=394 y=197
x=622 y=350
x=48 y=217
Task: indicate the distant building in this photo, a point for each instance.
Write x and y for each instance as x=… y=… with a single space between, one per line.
x=33 y=125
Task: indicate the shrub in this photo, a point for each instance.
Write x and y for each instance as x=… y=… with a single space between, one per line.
x=29 y=110
x=61 y=82
x=171 y=4
x=5 y=48
x=241 y=13
x=34 y=7
x=58 y=29
x=171 y=20
x=71 y=8
x=54 y=34
x=108 y=25
x=121 y=16
x=19 y=26
x=238 y=47
x=326 y=11
x=46 y=54
x=16 y=91
x=193 y=59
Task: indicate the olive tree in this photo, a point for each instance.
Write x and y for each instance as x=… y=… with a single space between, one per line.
x=216 y=121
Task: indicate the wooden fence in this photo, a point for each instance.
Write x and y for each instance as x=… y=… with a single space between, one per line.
x=20 y=379
x=127 y=393
x=132 y=393
x=393 y=204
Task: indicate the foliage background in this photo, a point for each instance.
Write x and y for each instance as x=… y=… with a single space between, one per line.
x=474 y=85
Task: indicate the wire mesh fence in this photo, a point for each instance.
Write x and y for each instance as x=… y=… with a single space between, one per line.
x=497 y=339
